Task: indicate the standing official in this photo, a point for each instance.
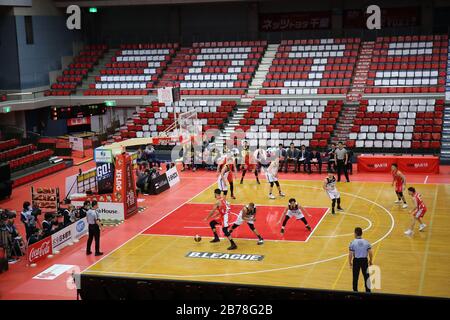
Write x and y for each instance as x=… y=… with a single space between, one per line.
x=95 y=226
x=359 y=250
x=341 y=160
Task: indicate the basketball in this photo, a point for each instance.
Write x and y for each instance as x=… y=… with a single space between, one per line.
x=197 y=238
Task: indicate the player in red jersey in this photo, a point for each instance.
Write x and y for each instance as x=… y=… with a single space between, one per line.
x=418 y=212
x=220 y=213
x=249 y=163
x=399 y=183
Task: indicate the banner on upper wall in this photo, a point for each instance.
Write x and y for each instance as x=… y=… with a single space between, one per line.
x=270 y=22
x=390 y=18
x=76 y=143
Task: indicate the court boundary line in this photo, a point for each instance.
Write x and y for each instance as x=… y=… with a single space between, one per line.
x=141 y=232
x=265 y=270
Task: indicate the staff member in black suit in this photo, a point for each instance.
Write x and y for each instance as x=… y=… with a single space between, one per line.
x=359 y=250
x=303 y=158
x=95 y=226
x=341 y=160
x=315 y=158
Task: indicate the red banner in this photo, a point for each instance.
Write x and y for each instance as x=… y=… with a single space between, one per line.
x=375 y=163
x=124 y=186
x=390 y=18
x=419 y=164
x=40 y=250
x=294 y=21
x=407 y=164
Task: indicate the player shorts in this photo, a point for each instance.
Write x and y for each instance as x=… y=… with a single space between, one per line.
x=270 y=177
x=399 y=187
x=223 y=221
x=333 y=194
x=420 y=213
x=249 y=166
x=297 y=214
x=240 y=220
x=222 y=185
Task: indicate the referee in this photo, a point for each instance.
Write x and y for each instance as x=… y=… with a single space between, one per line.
x=95 y=225
x=341 y=160
x=359 y=249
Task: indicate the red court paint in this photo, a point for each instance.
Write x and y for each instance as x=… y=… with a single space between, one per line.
x=188 y=221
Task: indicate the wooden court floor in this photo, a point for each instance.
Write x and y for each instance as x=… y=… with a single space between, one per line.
x=417 y=265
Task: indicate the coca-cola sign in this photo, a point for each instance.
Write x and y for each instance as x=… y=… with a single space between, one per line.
x=40 y=250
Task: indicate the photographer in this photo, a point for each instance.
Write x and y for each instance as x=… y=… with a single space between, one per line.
x=49 y=224
x=68 y=216
x=16 y=241
x=84 y=209
x=29 y=217
x=142 y=181
x=36 y=236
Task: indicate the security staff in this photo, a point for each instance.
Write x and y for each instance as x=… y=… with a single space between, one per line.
x=359 y=249
x=341 y=160
x=95 y=225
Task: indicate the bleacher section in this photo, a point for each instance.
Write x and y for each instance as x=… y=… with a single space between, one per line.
x=308 y=122
x=408 y=64
x=74 y=74
x=134 y=70
x=216 y=68
x=313 y=66
x=398 y=124
x=151 y=120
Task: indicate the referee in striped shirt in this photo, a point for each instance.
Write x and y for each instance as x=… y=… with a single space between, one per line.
x=360 y=258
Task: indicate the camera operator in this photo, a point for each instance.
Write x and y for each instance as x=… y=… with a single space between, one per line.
x=16 y=241
x=142 y=181
x=5 y=242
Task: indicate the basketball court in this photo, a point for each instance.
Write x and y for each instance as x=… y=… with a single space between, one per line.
x=414 y=265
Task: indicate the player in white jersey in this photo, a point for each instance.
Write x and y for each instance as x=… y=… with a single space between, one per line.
x=248 y=215
x=294 y=210
x=222 y=179
x=329 y=185
x=272 y=177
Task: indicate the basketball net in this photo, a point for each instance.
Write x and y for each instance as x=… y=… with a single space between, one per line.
x=184 y=129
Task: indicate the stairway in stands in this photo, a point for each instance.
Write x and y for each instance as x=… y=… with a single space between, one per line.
x=96 y=71
x=445 y=142
x=344 y=123
x=361 y=71
x=263 y=69
x=170 y=76
x=232 y=123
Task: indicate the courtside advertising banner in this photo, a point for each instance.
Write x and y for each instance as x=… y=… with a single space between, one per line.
x=131 y=197
x=172 y=176
x=62 y=238
x=79 y=228
x=107 y=210
x=105 y=177
x=40 y=250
